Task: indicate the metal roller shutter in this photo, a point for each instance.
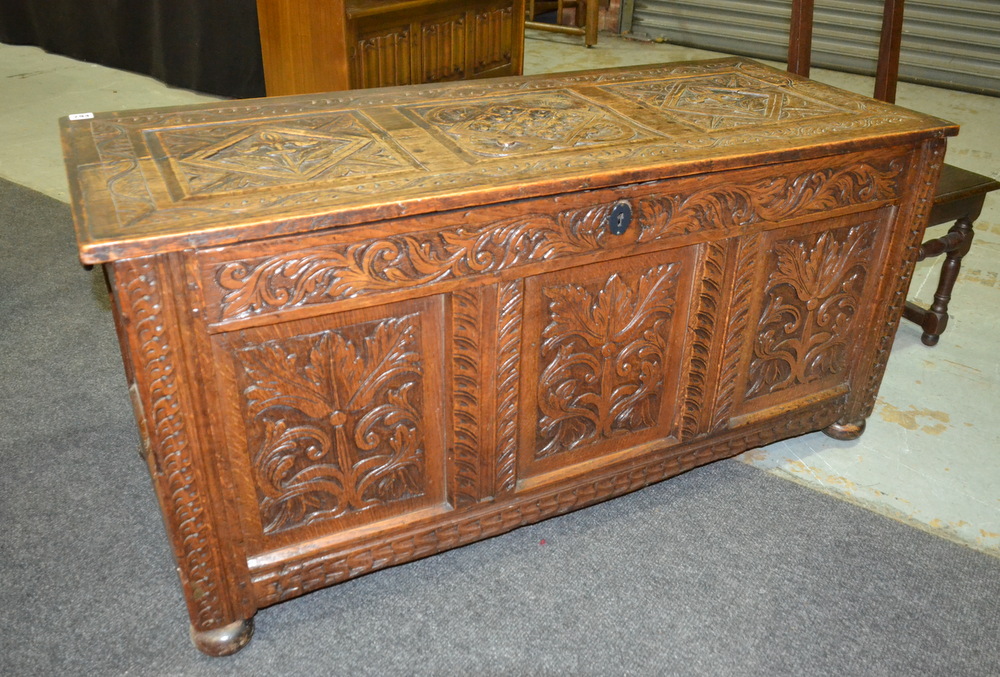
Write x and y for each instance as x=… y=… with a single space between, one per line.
x=946 y=43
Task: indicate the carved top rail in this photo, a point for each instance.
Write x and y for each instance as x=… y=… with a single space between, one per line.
x=215 y=174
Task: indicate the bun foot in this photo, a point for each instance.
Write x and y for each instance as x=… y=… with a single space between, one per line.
x=223 y=641
x=845 y=431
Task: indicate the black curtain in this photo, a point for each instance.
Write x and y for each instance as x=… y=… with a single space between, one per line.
x=210 y=46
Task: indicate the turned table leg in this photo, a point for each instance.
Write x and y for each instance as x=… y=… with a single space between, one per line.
x=955 y=245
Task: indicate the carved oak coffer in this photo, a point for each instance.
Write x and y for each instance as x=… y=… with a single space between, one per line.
x=362 y=328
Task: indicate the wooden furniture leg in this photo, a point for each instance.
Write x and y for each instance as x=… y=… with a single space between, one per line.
x=959 y=200
x=223 y=641
x=845 y=431
x=590 y=38
x=955 y=245
x=585 y=18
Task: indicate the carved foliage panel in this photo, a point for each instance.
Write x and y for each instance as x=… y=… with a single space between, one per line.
x=811 y=308
x=339 y=417
x=606 y=343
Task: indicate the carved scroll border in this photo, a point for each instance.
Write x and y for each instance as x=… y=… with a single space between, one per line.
x=751 y=197
x=327 y=274
x=252 y=287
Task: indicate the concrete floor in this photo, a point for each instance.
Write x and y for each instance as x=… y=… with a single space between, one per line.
x=931 y=453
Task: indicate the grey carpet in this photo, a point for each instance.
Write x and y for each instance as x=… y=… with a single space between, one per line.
x=723 y=571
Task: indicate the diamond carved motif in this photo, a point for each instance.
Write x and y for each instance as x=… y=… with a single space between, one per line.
x=284 y=154
x=726 y=101
x=306 y=150
x=532 y=123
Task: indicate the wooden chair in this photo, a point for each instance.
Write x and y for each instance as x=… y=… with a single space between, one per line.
x=960 y=193
x=585 y=17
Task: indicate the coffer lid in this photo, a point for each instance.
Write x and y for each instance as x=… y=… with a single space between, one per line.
x=197 y=176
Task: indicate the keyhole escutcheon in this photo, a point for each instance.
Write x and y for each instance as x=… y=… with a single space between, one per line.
x=620 y=218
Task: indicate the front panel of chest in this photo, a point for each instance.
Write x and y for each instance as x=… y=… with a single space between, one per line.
x=420 y=374
x=804 y=299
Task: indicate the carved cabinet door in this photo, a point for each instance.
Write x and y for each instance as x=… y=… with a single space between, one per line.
x=335 y=422
x=602 y=360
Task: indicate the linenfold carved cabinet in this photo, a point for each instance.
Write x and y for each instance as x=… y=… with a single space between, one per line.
x=362 y=328
x=324 y=45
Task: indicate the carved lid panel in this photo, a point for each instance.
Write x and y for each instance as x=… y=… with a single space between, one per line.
x=213 y=174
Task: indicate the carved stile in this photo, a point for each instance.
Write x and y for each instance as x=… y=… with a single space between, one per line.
x=707 y=317
x=172 y=459
x=510 y=303
x=467 y=414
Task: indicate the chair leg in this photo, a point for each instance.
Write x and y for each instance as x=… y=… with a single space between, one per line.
x=591 y=8
x=955 y=245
